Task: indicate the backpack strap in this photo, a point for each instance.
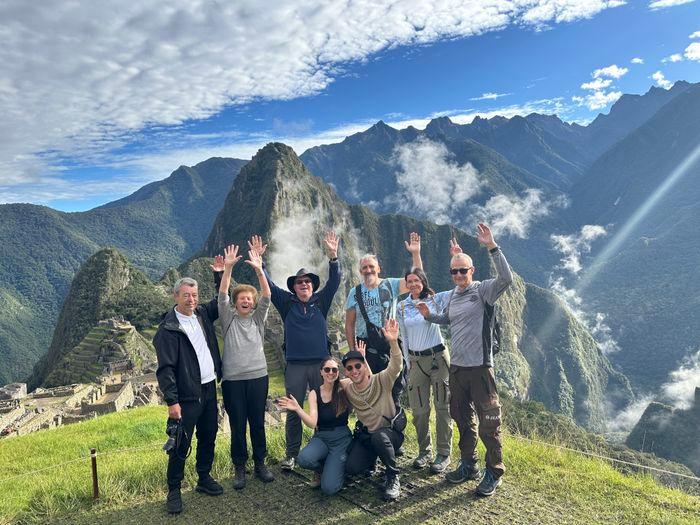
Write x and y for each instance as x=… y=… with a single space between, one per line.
x=361 y=304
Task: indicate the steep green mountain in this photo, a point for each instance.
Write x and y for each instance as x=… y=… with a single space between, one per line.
x=106 y=285
x=156 y=227
x=646 y=191
x=547 y=355
x=670 y=433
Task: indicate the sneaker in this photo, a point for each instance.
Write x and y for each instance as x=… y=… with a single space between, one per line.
x=173 y=503
x=210 y=486
x=488 y=484
x=392 y=487
x=288 y=463
x=463 y=472
x=315 y=481
x=263 y=473
x=440 y=464
x=422 y=461
x=239 y=480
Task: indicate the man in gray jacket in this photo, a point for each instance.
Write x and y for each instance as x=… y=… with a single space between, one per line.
x=469 y=313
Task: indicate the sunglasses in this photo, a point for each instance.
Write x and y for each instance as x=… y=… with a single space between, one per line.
x=463 y=271
x=303 y=281
x=330 y=370
x=356 y=366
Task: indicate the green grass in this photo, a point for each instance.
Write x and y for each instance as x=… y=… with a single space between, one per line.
x=542 y=484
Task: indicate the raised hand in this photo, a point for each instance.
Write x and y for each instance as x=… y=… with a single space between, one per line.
x=413 y=244
x=255 y=260
x=391 y=330
x=256 y=244
x=231 y=256
x=289 y=402
x=361 y=347
x=455 y=248
x=330 y=244
x=484 y=235
x=218 y=264
x=423 y=309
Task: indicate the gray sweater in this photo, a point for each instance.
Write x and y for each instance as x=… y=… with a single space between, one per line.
x=465 y=315
x=244 y=356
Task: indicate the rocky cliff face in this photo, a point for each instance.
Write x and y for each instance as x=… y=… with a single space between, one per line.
x=548 y=355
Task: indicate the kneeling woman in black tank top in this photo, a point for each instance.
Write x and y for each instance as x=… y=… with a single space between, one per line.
x=328 y=415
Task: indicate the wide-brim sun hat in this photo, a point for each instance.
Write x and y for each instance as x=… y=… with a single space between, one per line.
x=303 y=272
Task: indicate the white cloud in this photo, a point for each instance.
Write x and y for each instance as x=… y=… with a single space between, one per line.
x=79 y=79
x=512 y=214
x=661 y=4
x=426 y=168
x=692 y=52
x=694 y=35
x=612 y=71
x=490 y=96
x=676 y=57
x=637 y=60
x=661 y=80
x=597 y=84
x=625 y=420
x=597 y=99
x=573 y=246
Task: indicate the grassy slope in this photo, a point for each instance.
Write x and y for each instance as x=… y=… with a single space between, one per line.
x=543 y=485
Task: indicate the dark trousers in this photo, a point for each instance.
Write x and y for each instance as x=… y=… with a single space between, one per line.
x=298 y=378
x=475 y=407
x=245 y=401
x=203 y=415
x=367 y=446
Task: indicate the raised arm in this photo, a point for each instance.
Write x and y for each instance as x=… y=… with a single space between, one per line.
x=491 y=289
x=350 y=319
x=437 y=318
x=413 y=247
x=255 y=261
x=231 y=257
x=361 y=347
x=292 y=405
x=330 y=246
x=280 y=297
x=391 y=333
x=212 y=308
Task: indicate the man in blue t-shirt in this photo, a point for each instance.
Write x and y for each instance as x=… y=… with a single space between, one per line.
x=379 y=297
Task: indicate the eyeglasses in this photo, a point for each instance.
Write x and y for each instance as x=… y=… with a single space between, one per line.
x=356 y=366
x=303 y=281
x=463 y=271
x=330 y=370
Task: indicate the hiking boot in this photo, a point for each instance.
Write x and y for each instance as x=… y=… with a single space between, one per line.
x=263 y=473
x=210 y=486
x=488 y=484
x=463 y=472
x=440 y=464
x=288 y=463
x=239 y=480
x=392 y=487
x=173 y=503
x=422 y=461
x=315 y=481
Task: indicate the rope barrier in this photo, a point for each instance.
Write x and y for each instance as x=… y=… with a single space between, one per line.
x=599 y=456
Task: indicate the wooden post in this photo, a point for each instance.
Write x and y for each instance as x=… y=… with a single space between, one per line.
x=95 y=487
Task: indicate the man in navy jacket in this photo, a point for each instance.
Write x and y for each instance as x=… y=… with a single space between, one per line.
x=303 y=309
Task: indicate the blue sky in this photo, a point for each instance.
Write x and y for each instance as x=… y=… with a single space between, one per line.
x=109 y=99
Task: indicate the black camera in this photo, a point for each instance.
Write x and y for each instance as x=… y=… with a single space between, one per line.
x=173 y=429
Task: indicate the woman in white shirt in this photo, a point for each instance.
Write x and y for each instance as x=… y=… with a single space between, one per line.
x=429 y=362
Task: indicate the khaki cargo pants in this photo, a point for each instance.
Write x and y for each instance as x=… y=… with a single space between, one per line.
x=431 y=373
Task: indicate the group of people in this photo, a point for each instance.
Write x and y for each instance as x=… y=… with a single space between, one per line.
x=392 y=344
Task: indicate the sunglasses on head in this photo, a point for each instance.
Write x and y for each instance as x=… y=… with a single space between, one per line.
x=356 y=366
x=302 y=281
x=463 y=271
x=330 y=369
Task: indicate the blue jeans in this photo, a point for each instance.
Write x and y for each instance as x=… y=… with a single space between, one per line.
x=326 y=453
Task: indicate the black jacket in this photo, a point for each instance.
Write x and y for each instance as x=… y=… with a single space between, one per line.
x=178 y=369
